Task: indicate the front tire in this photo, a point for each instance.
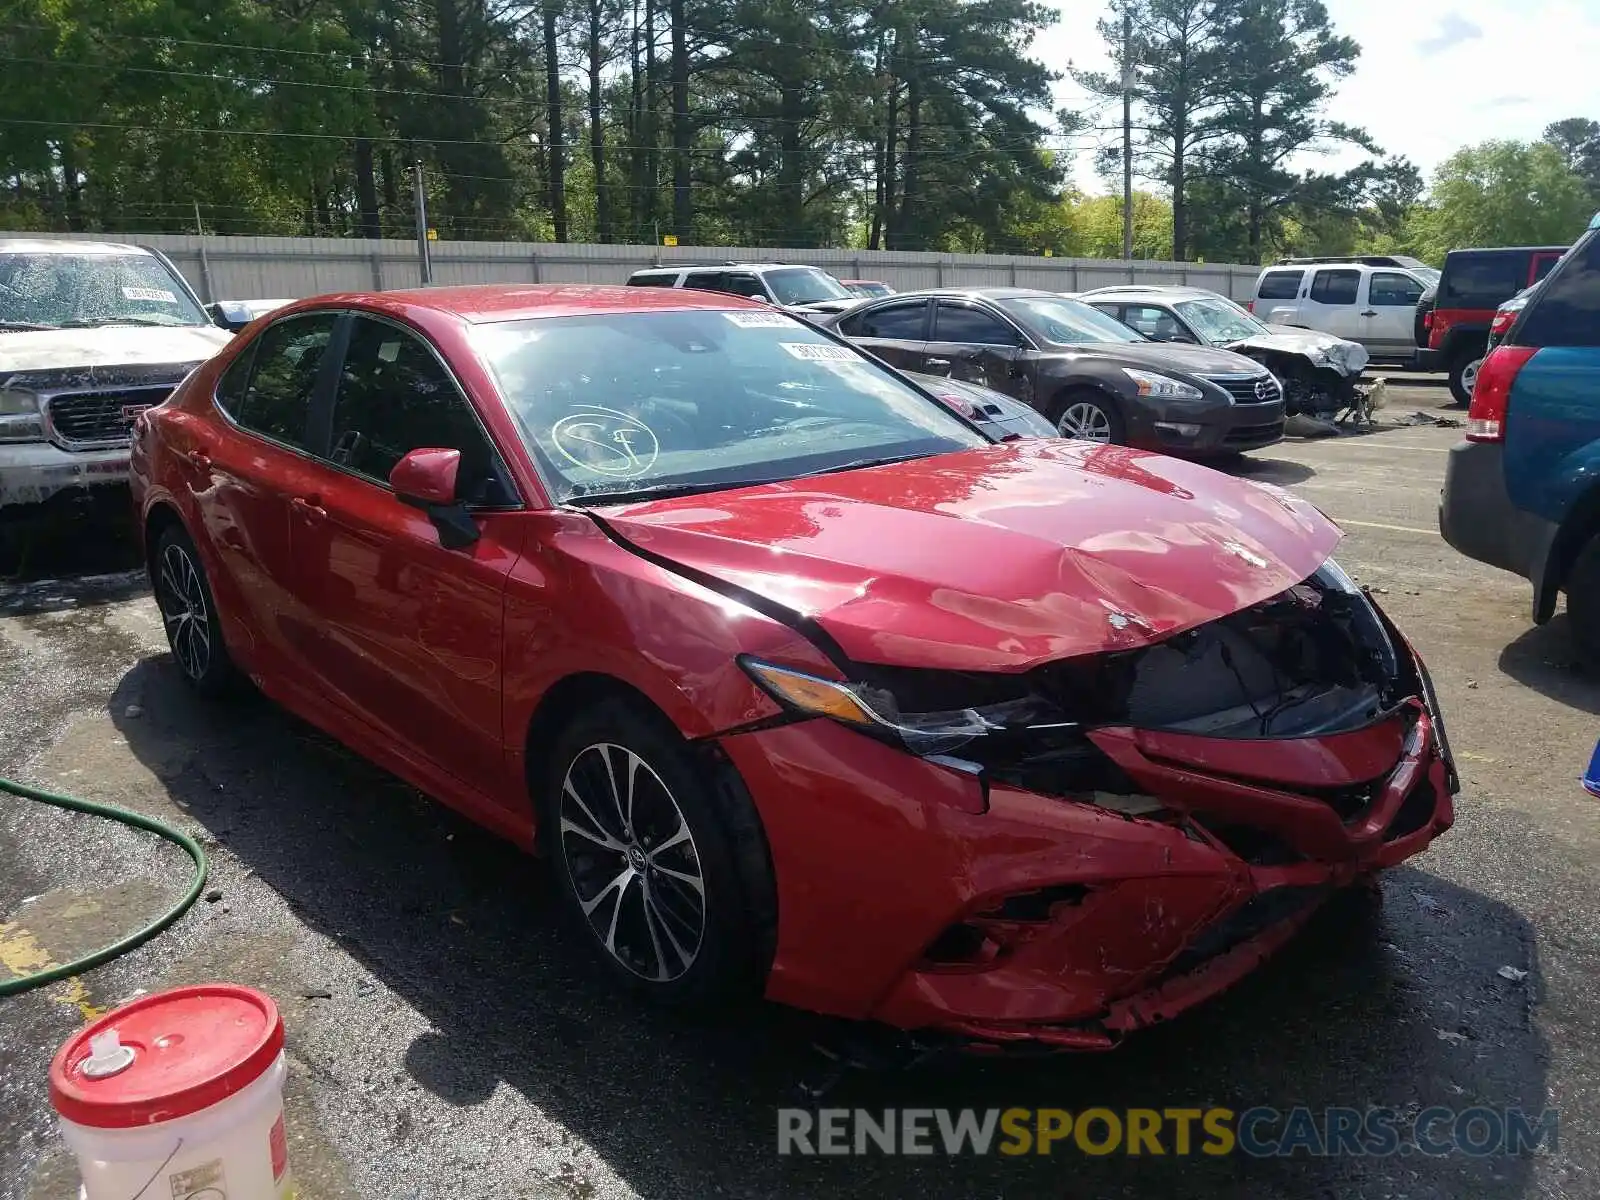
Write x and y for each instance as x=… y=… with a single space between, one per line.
x=1583 y=602
x=659 y=862
x=1090 y=416
x=189 y=614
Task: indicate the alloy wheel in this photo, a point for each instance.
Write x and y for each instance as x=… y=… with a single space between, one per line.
x=1086 y=421
x=1469 y=376
x=633 y=862
x=182 y=599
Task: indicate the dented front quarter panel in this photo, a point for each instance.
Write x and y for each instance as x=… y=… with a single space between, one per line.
x=997 y=559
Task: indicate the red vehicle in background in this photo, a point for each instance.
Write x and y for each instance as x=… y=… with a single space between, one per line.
x=805 y=685
x=1456 y=322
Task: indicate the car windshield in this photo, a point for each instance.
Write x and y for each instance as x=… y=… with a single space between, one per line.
x=804 y=285
x=57 y=291
x=1428 y=275
x=620 y=405
x=1219 y=321
x=1067 y=322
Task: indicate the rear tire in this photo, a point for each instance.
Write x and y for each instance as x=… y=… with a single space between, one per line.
x=1583 y=602
x=1089 y=416
x=1463 y=375
x=669 y=880
x=183 y=594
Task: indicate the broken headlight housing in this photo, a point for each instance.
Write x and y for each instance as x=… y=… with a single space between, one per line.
x=879 y=712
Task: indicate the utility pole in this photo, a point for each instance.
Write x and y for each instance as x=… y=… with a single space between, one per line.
x=1127 y=129
x=199 y=229
x=424 y=256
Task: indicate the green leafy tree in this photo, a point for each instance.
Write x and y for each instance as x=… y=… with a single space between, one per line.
x=1504 y=193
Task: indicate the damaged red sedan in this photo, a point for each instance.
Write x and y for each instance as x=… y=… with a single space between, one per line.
x=805 y=685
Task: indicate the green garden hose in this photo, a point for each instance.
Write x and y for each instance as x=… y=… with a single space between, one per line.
x=12 y=987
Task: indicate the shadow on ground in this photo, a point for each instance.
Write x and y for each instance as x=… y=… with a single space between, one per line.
x=94 y=536
x=1404 y=1010
x=1545 y=658
x=1261 y=469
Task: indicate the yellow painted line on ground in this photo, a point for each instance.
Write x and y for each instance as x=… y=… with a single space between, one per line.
x=1391 y=528
x=21 y=954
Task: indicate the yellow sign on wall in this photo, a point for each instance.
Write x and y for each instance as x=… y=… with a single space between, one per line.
x=433 y=235
x=669 y=239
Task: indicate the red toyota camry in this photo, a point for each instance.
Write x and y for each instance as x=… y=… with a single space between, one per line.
x=805 y=685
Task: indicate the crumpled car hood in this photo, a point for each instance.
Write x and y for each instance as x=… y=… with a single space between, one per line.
x=1352 y=356
x=29 y=352
x=999 y=558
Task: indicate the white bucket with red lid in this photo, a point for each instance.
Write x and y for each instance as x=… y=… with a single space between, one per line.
x=178 y=1096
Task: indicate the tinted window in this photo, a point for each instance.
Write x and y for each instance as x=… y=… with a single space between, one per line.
x=231 y=387
x=1482 y=280
x=278 y=400
x=744 y=285
x=1392 y=290
x=1280 y=285
x=964 y=323
x=706 y=281
x=395 y=397
x=653 y=280
x=1335 y=287
x=902 y=322
x=1565 y=311
x=1542 y=266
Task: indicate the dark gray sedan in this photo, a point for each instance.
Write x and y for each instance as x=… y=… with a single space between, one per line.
x=1091 y=376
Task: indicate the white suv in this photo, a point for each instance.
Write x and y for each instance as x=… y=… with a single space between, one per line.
x=1360 y=301
x=91 y=335
x=783 y=284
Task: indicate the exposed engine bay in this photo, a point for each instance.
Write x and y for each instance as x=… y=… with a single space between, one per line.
x=1312 y=661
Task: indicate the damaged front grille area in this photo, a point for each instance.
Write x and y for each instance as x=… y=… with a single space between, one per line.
x=1313 y=660
x=83 y=420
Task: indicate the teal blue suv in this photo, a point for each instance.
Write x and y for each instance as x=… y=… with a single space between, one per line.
x=1523 y=491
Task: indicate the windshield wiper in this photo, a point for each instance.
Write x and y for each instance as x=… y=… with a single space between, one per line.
x=25 y=326
x=597 y=493
x=862 y=463
x=101 y=322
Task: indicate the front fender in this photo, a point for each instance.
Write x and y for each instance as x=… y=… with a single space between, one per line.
x=579 y=603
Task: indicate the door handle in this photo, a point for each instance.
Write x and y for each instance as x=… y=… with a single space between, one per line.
x=308 y=508
x=199 y=459
x=939 y=362
x=1371 y=312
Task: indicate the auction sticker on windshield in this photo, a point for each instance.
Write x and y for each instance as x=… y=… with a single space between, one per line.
x=760 y=320
x=158 y=295
x=819 y=352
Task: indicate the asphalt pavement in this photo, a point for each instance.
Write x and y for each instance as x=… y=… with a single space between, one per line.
x=447 y=1040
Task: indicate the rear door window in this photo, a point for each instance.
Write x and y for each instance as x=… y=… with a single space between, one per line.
x=747 y=286
x=276 y=403
x=1482 y=280
x=1338 y=286
x=1280 y=285
x=653 y=280
x=1565 y=311
x=394 y=397
x=892 y=322
x=1392 y=290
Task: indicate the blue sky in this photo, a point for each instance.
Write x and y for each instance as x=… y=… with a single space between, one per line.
x=1431 y=77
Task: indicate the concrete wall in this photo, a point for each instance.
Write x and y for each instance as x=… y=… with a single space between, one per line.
x=244 y=268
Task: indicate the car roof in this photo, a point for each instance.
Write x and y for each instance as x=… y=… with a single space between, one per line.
x=68 y=246
x=480 y=303
x=1145 y=291
x=974 y=293
x=1503 y=250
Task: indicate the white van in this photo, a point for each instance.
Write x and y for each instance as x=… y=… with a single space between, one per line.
x=1373 y=305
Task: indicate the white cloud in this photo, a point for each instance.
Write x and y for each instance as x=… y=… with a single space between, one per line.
x=1533 y=63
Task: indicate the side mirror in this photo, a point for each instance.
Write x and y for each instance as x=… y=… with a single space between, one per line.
x=426 y=478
